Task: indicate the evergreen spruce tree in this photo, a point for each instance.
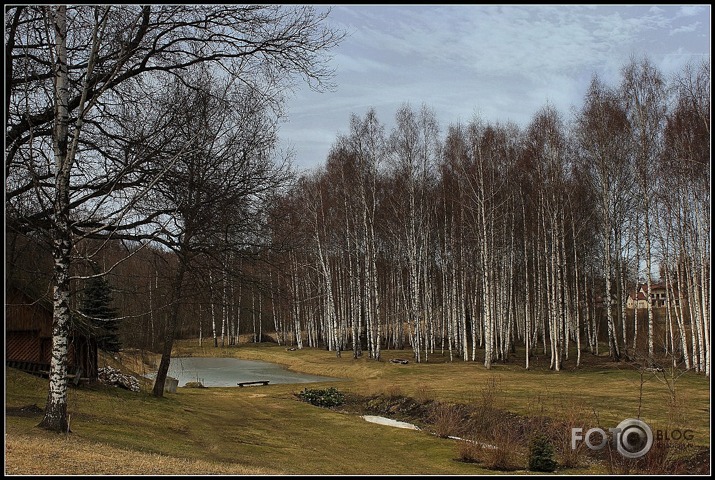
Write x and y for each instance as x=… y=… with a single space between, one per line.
x=96 y=304
x=541 y=454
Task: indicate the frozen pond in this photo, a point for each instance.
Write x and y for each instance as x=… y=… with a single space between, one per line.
x=227 y=372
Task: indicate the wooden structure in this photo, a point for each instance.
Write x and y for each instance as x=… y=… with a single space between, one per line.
x=28 y=338
x=258 y=382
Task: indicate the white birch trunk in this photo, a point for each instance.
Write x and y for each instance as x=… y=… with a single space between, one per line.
x=295 y=311
x=649 y=281
x=213 y=311
x=527 y=293
x=224 y=311
x=55 y=417
x=680 y=316
x=577 y=303
x=276 y=322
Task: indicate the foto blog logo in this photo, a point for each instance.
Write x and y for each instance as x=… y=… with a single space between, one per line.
x=633 y=438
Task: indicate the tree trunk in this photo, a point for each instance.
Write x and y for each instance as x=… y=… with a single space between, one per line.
x=171 y=329
x=55 y=418
x=213 y=311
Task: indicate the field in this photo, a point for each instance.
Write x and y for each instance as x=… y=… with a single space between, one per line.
x=268 y=430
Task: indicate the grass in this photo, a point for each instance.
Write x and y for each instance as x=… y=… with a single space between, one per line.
x=267 y=430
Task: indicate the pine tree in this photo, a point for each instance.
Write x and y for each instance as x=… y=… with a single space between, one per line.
x=541 y=455
x=97 y=305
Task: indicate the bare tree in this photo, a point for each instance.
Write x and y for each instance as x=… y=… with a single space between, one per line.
x=685 y=167
x=215 y=194
x=414 y=146
x=367 y=143
x=603 y=137
x=514 y=236
x=643 y=89
x=69 y=70
x=547 y=146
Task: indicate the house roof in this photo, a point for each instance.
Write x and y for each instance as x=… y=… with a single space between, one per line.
x=639 y=296
x=656 y=286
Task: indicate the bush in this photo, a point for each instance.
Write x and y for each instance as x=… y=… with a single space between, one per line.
x=541 y=455
x=329 y=397
x=503 y=452
x=445 y=419
x=470 y=451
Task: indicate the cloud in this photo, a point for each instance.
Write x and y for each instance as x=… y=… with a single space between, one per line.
x=685 y=28
x=691 y=10
x=356 y=63
x=504 y=62
x=494 y=40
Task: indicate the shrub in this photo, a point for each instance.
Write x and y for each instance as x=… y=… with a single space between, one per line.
x=541 y=455
x=570 y=414
x=469 y=451
x=445 y=419
x=500 y=457
x=329 y=397
x=503 y=453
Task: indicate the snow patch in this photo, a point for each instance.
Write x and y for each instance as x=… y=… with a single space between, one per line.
x=390 y=422
x=485 y=445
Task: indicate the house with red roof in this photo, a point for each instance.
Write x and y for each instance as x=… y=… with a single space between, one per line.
x=658 y=294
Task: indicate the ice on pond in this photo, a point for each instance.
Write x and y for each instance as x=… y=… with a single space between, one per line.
x=228 y=372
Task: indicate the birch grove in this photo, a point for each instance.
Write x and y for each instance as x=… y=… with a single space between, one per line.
x=494 y=239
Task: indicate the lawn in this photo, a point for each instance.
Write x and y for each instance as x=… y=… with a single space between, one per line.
x=268 y=430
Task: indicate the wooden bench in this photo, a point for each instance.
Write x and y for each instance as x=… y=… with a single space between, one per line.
x=259 y=382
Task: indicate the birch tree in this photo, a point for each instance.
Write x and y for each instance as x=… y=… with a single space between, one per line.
x=509 y=236
x=603 y=136
x=414 y=145
x=643 y=89
x=366 y=141
x=546 y=143
x=685 y=165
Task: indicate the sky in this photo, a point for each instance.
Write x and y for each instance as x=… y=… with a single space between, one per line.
x=501 y=63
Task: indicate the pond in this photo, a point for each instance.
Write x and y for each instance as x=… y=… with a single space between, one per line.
x=227 y=372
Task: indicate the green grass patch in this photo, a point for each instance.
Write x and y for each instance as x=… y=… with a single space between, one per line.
x=325 y=397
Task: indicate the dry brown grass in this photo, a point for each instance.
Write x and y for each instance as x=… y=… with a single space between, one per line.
x=231 y=431
x=63 y=455
x=131 y=360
